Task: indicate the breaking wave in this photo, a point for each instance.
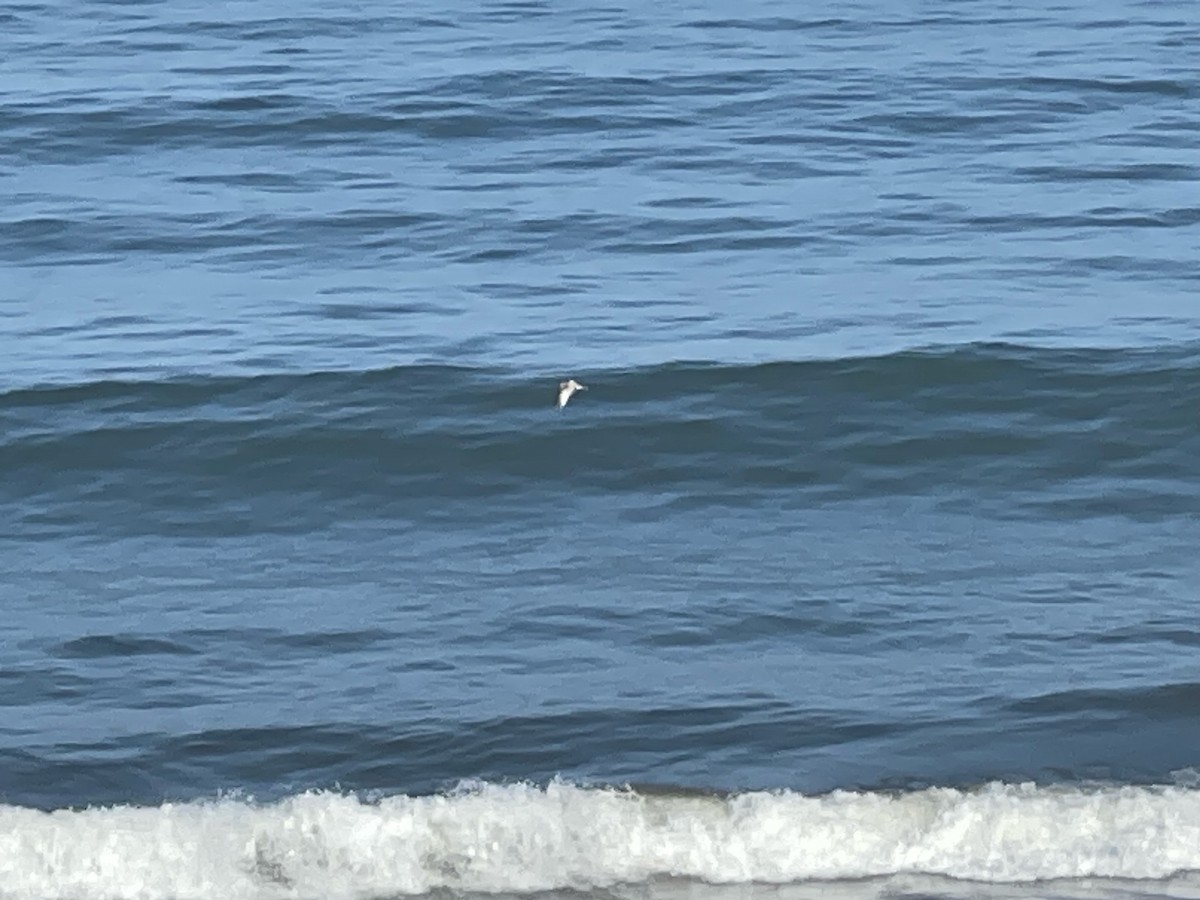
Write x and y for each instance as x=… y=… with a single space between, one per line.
x=489 y=838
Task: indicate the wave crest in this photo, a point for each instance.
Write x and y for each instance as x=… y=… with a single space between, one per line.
x=521 y=838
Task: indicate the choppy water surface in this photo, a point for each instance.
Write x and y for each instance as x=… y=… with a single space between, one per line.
x=865 y=567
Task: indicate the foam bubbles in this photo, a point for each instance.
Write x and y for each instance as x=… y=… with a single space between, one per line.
x=522 y=839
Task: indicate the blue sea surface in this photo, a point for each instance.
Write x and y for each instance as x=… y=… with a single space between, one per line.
x=866 y=566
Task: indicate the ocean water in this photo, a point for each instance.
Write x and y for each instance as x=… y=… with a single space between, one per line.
x=867 y=566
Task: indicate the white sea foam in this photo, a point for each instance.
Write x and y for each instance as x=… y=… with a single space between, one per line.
x=521 y=838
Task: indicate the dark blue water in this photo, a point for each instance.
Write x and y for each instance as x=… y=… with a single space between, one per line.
x=865 y=567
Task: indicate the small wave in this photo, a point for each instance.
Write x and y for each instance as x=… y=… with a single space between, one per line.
x=1048 y=433
x=520 y=839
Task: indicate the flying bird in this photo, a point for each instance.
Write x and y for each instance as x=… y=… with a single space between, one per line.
x=566 y=389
